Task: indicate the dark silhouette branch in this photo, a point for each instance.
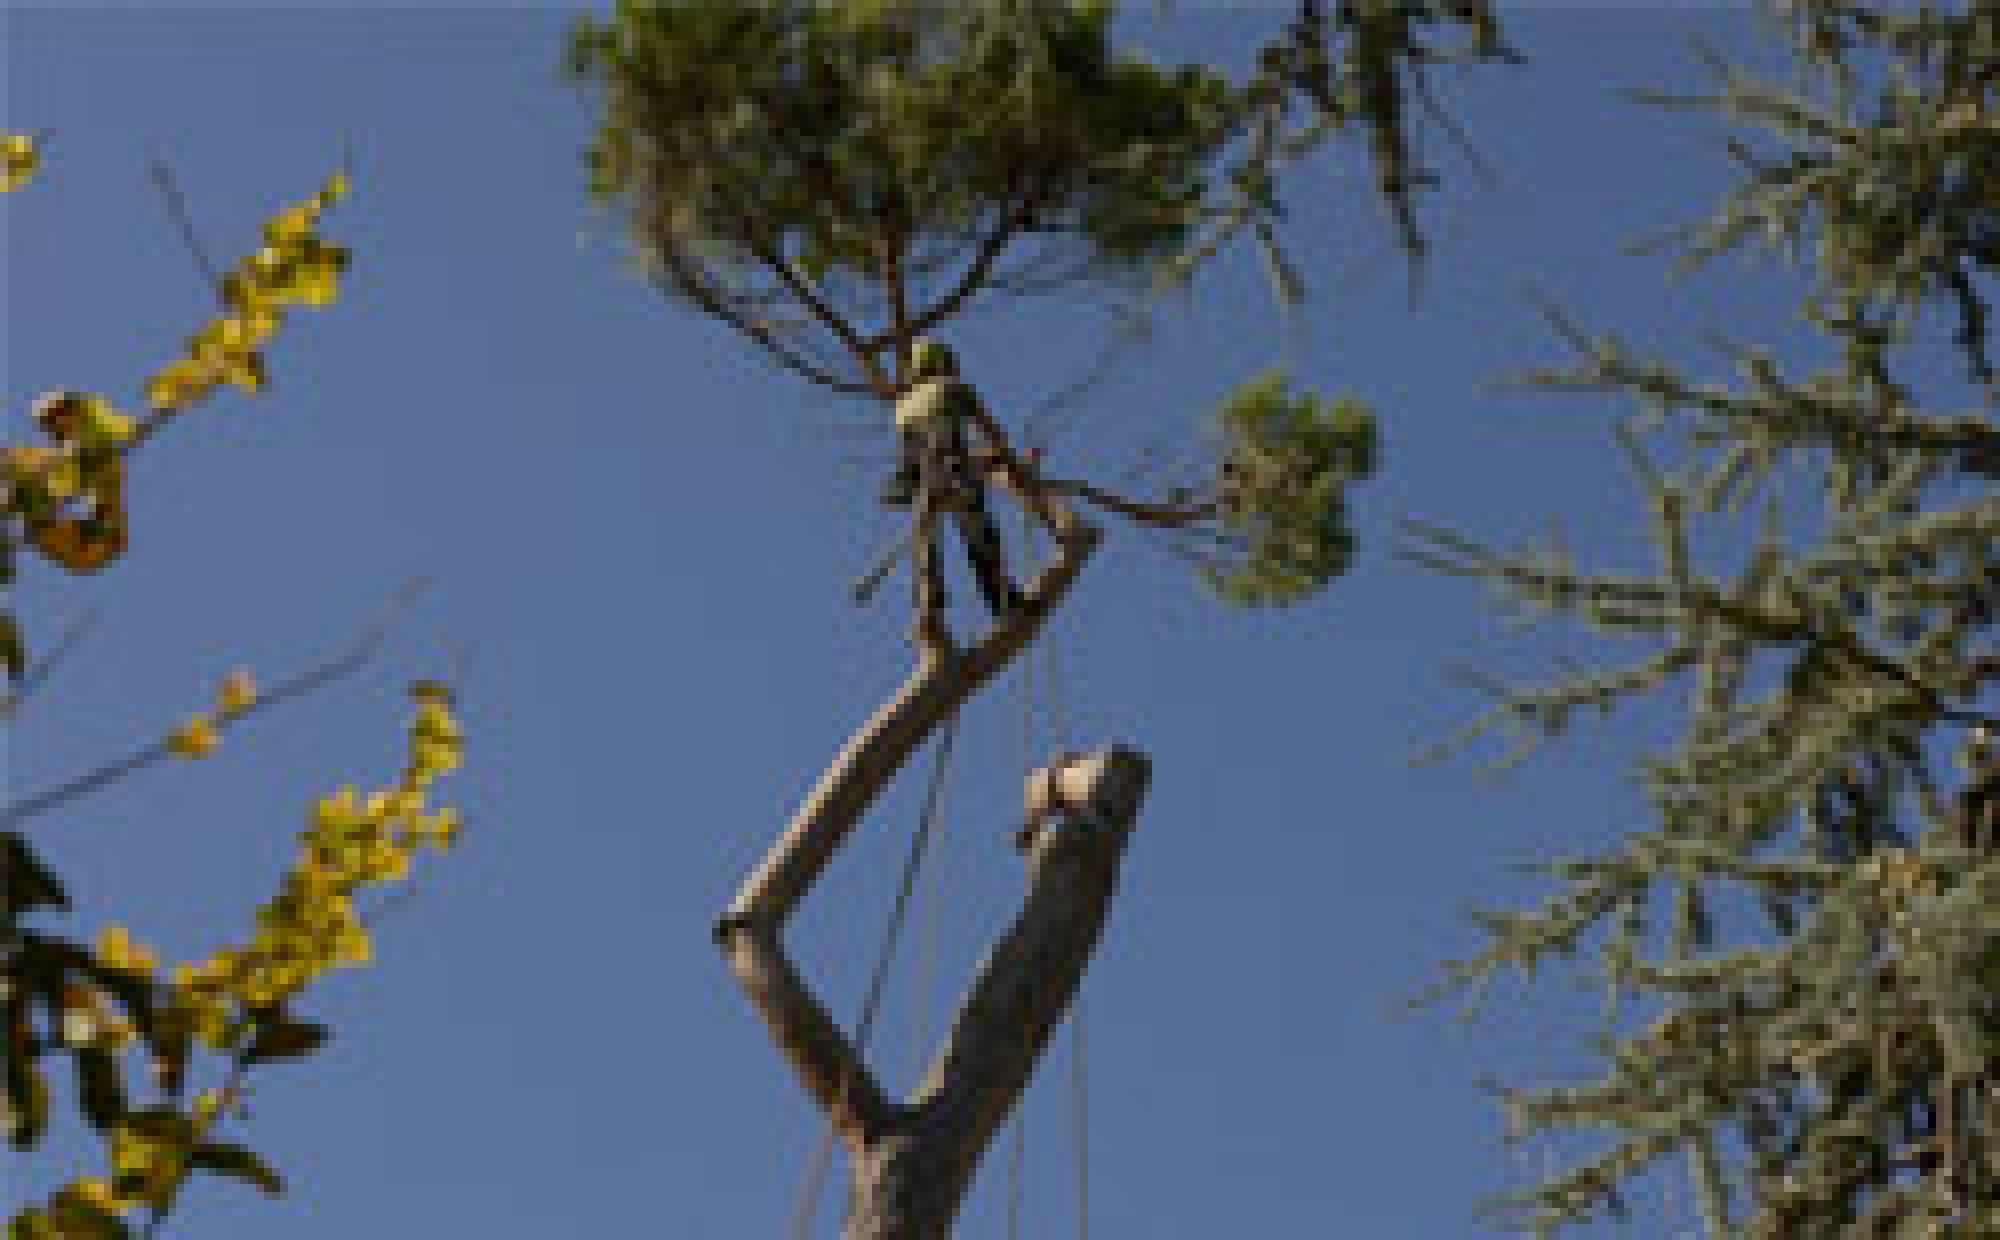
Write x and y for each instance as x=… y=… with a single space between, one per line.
x=17 y=812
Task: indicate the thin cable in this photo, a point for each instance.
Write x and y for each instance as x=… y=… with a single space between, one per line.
x=1017 y=1146
x=871 y=1003
x=177 y=208
x=1080 y=1116
x=1017 y=1157
x=927 y=953
x=1058 y=726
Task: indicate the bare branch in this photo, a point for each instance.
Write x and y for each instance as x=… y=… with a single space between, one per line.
x=1010 y=226
x=1164 y=516
x=38 y=673
x=14 y=814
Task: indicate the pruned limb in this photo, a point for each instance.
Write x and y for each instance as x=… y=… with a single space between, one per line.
x=910 y=1183
x=1032 y=974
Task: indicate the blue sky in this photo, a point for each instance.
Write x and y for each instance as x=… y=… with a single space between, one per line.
x=644 y=535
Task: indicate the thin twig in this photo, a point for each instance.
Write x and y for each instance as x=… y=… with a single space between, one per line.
x=36 y=674
x=12 y=815
x=177 y=208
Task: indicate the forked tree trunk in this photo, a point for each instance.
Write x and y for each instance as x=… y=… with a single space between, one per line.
x=912 y=1161
x=910 y=1177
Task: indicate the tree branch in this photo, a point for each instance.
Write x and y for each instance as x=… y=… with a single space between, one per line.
x=685 y=279
x=990 y=250
x=749 y=930
x=935 y=690
x=14 y=814
x=1033 y=973
x=1163 y=516
x=827 y=1062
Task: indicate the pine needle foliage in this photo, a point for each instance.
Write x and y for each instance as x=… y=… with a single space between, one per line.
x=1836 y=761
x=841 y=178
x=836 y=180
x=1896 y=189
x=1281 y=491
x=816 y=153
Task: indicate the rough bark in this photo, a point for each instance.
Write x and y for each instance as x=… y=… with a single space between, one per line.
x=912 y=1161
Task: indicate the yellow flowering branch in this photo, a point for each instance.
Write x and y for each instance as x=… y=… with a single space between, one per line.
x=236 y=1000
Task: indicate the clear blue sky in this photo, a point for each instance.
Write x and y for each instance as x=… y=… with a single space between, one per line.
x=644 y=534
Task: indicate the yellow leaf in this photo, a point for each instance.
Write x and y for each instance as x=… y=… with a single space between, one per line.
x=246 y=372
x=92 y=1191
x=179 y=383
x=238 y=691
x=336 y=811
x=63 y=479
x=290 y=225
x=355 y=948
x=430 y=691
x=18 y=160
x=102 y=424
x=114 y=945
x=443 y=827
x=195 y=739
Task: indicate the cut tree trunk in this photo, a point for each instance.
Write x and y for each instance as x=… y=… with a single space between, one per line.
x=911 y=1162
x=910 y=1177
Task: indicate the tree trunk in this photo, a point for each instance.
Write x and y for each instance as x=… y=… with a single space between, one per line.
x=910 y=1179
x=912 y=1161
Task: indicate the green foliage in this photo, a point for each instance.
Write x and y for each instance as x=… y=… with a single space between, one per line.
x=1855 y=1045
x=820 y=143
x=1899 y=196
x=874 y=162
x=1280 y=491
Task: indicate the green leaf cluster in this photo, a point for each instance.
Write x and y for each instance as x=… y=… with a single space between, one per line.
x=1280 y=490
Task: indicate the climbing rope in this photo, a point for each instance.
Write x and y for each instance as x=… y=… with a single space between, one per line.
x=1054 y=737
x=815 y=1177
x=1079 y=1099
